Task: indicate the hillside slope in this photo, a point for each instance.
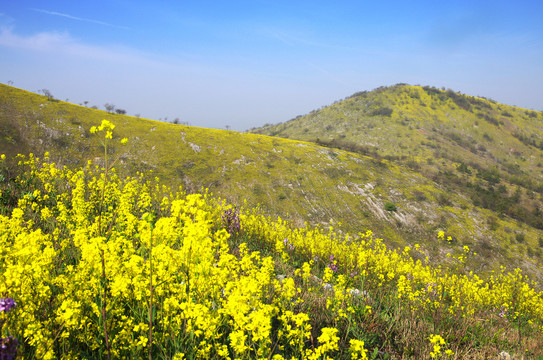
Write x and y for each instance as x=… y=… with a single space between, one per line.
x=296 y=180
x=488 y=152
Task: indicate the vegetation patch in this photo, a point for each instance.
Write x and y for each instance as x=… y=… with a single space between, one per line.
x=390 y=207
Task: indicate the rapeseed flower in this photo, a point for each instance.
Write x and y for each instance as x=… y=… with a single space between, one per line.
x=81 y=249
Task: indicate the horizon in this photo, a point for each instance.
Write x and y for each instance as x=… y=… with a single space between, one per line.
x=244 y=64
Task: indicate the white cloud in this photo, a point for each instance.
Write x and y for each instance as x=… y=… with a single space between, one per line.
x=55 y=13
x=39 y=42
x=62 y=44
x=6 y=21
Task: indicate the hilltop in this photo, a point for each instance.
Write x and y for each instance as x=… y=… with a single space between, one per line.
x=488 y=154
x=462 y=160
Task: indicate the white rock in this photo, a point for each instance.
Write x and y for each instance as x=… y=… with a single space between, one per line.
x=194 y=147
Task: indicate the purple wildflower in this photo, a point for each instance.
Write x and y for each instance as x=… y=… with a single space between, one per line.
x=288 y=244
x=8 y=348
x=333 y=267
x=332 y=264
x=231 y=221
x=503 y=313
x=430 y=288
x=6 y=304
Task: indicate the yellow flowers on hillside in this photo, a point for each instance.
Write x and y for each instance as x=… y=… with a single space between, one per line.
x=104 y=267
x=105 y=125
x=74 y=267
x=438 y=343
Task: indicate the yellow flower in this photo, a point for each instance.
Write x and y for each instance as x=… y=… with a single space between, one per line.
x=329 y=339
x=438 y=342
x=237 y=341
x=357 y=350
x=106 y=125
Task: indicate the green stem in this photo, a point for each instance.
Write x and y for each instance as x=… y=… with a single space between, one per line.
x=150 y=313
x=103 y=188
x=104 y=304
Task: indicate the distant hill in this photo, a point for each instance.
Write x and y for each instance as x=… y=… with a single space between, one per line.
x=405 y=162
x=489 y=153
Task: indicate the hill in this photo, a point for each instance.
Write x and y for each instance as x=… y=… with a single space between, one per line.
x=489 y=153
x=348 y=182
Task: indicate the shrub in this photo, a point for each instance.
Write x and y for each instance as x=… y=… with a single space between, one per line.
x=383 y=111
x=419 y=195
x=390 y=207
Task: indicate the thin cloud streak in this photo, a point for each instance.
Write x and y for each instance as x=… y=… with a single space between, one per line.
x=55 y=13
x=327 y=73
x=292 y=40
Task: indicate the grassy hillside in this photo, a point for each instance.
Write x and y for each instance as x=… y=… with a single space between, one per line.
x=405 y=202
x=441 y=134
x=488 y=153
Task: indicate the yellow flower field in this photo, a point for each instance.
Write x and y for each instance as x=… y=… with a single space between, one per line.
x=103 y=267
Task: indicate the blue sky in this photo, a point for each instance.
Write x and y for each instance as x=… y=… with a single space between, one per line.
x=246 y=63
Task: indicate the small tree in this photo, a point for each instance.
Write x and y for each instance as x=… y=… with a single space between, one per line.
x=120 y=111
x=47 y=93
x=109 y=107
